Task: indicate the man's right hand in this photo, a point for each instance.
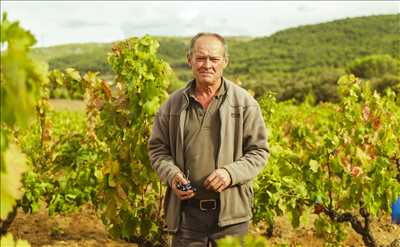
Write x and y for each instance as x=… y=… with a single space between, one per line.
x=183 y=195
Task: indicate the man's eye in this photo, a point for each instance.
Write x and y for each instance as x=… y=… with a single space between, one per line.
x=202 y=59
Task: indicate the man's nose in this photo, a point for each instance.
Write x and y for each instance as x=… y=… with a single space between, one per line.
x=207 y=63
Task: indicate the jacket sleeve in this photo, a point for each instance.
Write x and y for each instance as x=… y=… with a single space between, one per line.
x=255 y=148
x=159 y=149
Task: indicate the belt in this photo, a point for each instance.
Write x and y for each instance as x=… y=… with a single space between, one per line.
x=203 y=204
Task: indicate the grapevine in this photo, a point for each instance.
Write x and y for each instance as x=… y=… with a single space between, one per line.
x=333 y=160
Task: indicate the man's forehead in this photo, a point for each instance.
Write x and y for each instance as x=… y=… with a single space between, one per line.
x=208 y=41
x=207 y=52
x=207 y=46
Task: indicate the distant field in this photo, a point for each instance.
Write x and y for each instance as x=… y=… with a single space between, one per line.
x=67 y=105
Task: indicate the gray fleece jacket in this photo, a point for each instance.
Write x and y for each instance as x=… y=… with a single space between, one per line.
x=243 y=151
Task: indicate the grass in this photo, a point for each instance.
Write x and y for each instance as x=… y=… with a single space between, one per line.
x=67 y=105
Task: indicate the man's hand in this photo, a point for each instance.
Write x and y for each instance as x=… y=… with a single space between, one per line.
x=183 y=195
x=218 y=180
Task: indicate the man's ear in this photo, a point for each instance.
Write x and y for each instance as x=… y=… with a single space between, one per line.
x=226 y=61
x=189 y=61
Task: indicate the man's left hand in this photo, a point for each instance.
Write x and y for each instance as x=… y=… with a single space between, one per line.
x=218 y=180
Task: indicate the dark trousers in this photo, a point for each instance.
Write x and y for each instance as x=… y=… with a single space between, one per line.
x=200 y=228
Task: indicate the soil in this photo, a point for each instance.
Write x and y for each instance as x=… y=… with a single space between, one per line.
x=79 y=229
x=84 y=228
x=382 y=229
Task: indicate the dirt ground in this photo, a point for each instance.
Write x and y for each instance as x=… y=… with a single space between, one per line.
x=383 y=231
x=84 y=228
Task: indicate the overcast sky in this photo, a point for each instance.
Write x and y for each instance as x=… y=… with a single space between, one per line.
x=78 y=21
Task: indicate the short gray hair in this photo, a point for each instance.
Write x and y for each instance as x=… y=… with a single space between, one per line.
x=216 y=35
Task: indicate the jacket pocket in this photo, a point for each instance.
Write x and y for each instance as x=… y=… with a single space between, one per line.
x=235 y=205
x=235 y=115
x=250 y=194
x=236 y=112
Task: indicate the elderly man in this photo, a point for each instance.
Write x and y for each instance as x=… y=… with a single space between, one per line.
x=208 y=142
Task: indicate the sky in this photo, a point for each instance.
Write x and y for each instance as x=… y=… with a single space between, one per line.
x=61 y=22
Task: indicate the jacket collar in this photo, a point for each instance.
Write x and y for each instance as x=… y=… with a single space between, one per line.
x=189 y=88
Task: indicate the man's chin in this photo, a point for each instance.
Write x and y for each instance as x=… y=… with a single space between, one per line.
x=207 y=80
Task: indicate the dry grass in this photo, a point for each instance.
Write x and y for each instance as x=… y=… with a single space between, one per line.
x=67 y=105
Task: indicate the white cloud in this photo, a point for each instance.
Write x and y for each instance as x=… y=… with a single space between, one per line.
x=106 y=21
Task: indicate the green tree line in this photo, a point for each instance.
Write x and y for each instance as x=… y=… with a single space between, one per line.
x=290 y=63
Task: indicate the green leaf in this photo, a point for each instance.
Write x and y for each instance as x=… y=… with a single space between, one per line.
x=8 y=241
x=15 y=165
x=314 y=165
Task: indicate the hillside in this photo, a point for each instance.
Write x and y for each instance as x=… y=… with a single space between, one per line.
x=291 y=62
x=307 y=57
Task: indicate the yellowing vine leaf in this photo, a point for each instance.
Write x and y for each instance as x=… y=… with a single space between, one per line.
x=15 y=165
x=8 y=241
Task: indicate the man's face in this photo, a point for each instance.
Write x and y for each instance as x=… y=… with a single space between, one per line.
x=207 y=60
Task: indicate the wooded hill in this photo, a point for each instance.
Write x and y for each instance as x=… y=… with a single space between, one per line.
x=292 y=63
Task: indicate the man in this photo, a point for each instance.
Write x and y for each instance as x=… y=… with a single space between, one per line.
x=210 y=133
